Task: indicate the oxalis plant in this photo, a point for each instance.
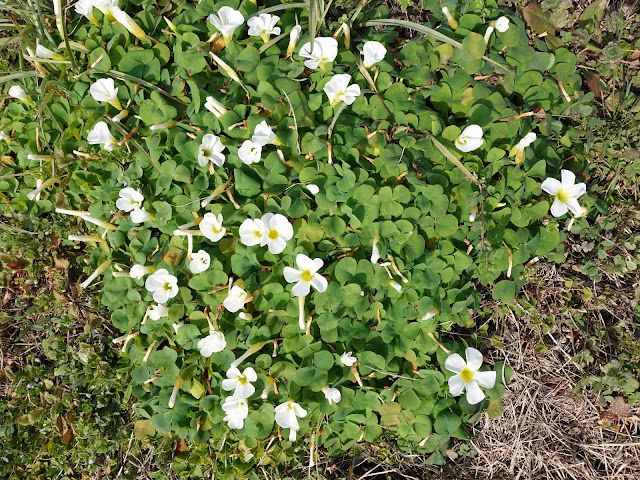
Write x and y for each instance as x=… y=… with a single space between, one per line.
x=291 y=210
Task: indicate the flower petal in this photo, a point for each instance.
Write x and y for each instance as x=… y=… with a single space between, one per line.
x=301 y=289
x=568 y=178
x=474 y=394
x=474 y=358
x=574 y=206
x=319 y=283
x=277 y=245
x=551 y=186
x=455 y=363
x=456 y=385
x=558 y=208
x=485 y=379
x=577 y=190
x=291 y=275
x=305 y=263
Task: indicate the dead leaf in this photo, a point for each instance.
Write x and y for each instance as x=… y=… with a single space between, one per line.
x=537 y=19
x=593 y=82
x=61 y=264
x=60 y=424
x=68 y=435
x=181 y=446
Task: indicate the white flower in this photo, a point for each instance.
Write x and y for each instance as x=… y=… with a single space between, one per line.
x=325 y=50
x=214 y=106
x=200 y=261
x=140 y=215
x=129 y=23
x=373 y=52
x=294 y=36
x=245 y=316
x=236 y=410
x=263 y=26
x=501 y=24
x=487 y=34
x=84 y=7
x=252 y=232
x=396 y=286
x=16 y=91
x=305 y=276
x=104 y=90
x=287 y=415
x=3 y=136
x=226 y=21
x=375 y=254
x=566 y=193
x=240 y=383
x=163 y=125
x=212 y=343
x=211 y=150
x=120 y=116
x=332 y=395
x=467 y=375
x=263 y=134
x=250 y=152
x=129 y=199
x=157 y=312
x=35 y=194
x=278 y=231
x=162 y=285
x=138 y=271
x=314 y=189
x=347 y=359
x=211 y=226
x=106 y=6
x=44 y=52
x=518 y=149
x=470 y=139
x=338 y=89
x=100 y=135
x=176 y=326
x=453 y=23
x=236 y=299
x=473 y=213
x=430 y=314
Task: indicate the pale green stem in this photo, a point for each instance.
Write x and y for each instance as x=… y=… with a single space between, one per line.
x=98 y=271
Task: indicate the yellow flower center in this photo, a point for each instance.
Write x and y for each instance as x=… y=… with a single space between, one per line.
x=257 y=233
x=307 y=275
x=467 y=374
x=289 y=406
x=273 y=234
x=216 y=230
x=242 y=379
x=167 y=286
x=206 y=152
x=562 y=195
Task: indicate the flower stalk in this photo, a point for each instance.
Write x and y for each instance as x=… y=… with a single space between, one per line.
x=35 y=195
x=98 y=271
x=301 y=312
x=174 y=393
x=250 y=351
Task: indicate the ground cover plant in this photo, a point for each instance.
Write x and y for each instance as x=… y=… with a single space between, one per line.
x=229 y=170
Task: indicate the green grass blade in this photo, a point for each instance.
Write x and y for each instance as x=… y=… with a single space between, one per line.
x=429 y=32
x=449 y=156
x=311 y=7
x=19 y=76
x=277 y=8
x=130 y=78
x=133 y=141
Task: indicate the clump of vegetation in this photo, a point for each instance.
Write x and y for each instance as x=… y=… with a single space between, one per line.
x=395 y=223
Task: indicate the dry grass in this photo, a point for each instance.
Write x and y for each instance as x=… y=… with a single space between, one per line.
x=547 y=431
